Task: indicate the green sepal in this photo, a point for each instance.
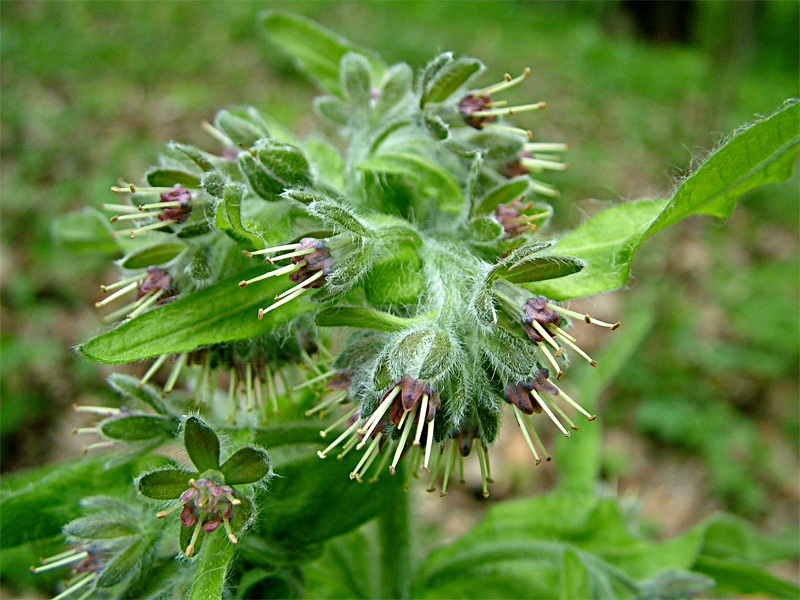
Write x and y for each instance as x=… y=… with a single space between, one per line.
x=440 y=85
x=317 y=50
x=191 y=230
x=436 y=125
x=201 y=444
x=273 y=167
x=356 y=80
x=242 y=127
x=159 y=177
x=221 y=312
x=247 y=465
x=85 y=230
x=202 y=159
x=502 y=194
x=138 y=428
x=395 y=86
x=541 y=268
x=123 y=565
x=164 y=484
x=331 y=108
x=336 y=213
x=431 y=70
x=130 y=386
x=152 y=255
x=366 y=318
x=229 y=218
x=396 y=278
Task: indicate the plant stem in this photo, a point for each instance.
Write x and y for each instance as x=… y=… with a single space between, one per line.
x=395 y=546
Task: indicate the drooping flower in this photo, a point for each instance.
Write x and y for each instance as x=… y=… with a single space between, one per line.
x=173 y=207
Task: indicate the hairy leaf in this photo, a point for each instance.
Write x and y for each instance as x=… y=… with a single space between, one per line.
x=367 y=318
x=248 y=465
x=137 y=428
x=164 y=484
x=448 y=79
x=212 y=567
x=130 y=387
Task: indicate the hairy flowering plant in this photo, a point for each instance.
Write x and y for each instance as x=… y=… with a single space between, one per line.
x=382 y=296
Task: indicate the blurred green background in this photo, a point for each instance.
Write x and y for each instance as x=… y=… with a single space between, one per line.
x=704 y=418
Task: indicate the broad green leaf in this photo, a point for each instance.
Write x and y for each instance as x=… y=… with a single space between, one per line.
x=740 y=578
x=201 y=443
x=138 y=428
x=446 y=80
x=221 y=312
x=248 y=465
x=152 y=255
x=36 y=504
x=212 y=567
x=86 y=230
x=761 y=153
x=366 y=318
x=541 y=268
x=317 y=50
x=168 y=177
x=502 y=194
x=435 y=181
x=310 y=499
x=131 y=387
x=164 y=484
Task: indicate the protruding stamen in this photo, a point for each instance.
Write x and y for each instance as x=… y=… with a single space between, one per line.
x=97 y=446
x=120 y=283
x=435 y=470
x=538 y=165
x=217 y=134
x=503 y=85
x=375 y=417
x=484 y=478
x=572 y=345
x=151 y=298
x=195 y=535
x=273 y=249
x=282 y=301
x=546 y=147
x=103 y=411
x=313 y=380
x=429 y=445
x=508 y=110
x=523 y=427
x=386 y=454
x=227 y=524
x=350 y=430
x=128 y=288
x=293 y=254
x=128 y=217
x=586 y=318
x=128 y=188
x=545 y=189
x=348 y=445
x=548 y=337
x=54 y=563
x=343 y=419
x=152 y=370
x=163 y=513
x=526 y=132
x=559 y=372
x=335 y=399
x=575 y=404
x=176 y=371
x=550 y=414
x=87 y=430
x=75 y=586
x=406 y=430
x=160 y=205
x=488 y=463
x=423 y=413
x=372 y=448
x=120 y=208
x=565 y=416
x=157 y=225
x=448 y=467
x=301 y=285
x=276 y=273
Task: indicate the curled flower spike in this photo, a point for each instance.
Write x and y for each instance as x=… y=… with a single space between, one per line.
x=479 y=110
x=308 y=256
x=154 y=286
x=174 y=207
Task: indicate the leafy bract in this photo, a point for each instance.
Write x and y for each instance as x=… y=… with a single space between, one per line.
x=762 y=153
x=221 y=312
x=212 y=567
x=315 y=49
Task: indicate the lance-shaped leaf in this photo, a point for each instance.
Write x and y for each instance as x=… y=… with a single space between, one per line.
x=164 y=484
x=138 y=428
x=541 y=268
x=243 y=127
x=248 y=465
x=366 y=318
x=197 y=156
x=221 y=312
x=131 y=387
x=316 y=50
x=273 y=167
x=759 y=154
x=160 y=177
x=502 y=194
x=201 y=443
x=86 y=230
x=448 y=78
x=157 y=254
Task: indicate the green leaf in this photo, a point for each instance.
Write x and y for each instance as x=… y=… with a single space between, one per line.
x=201 y=443
x=275 y=167
x=395 y=86
x=248 y=465
x=86 y=230
x=231 y=204
x=130 y=387
x=366 y=318
x=123 y=565
x=168 y=177
x=356 y=80
x=327 y=163
x=446 y=80
x=317 y=50
x=101 y=526
x=738 y=578
x=137 y=428
x=152 y=255
x=243 y=127
x=541 y=268
x=436 y=126
x=36 y=504
x=212 y=567
x=164 y=484
x=502 y=194
x=221 y=312
x=337 y=214
x=197 y=156
x=758 y=154
x=332 y=108
x=435 y=181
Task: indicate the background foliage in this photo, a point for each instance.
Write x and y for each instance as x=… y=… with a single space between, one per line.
x=702 y=416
